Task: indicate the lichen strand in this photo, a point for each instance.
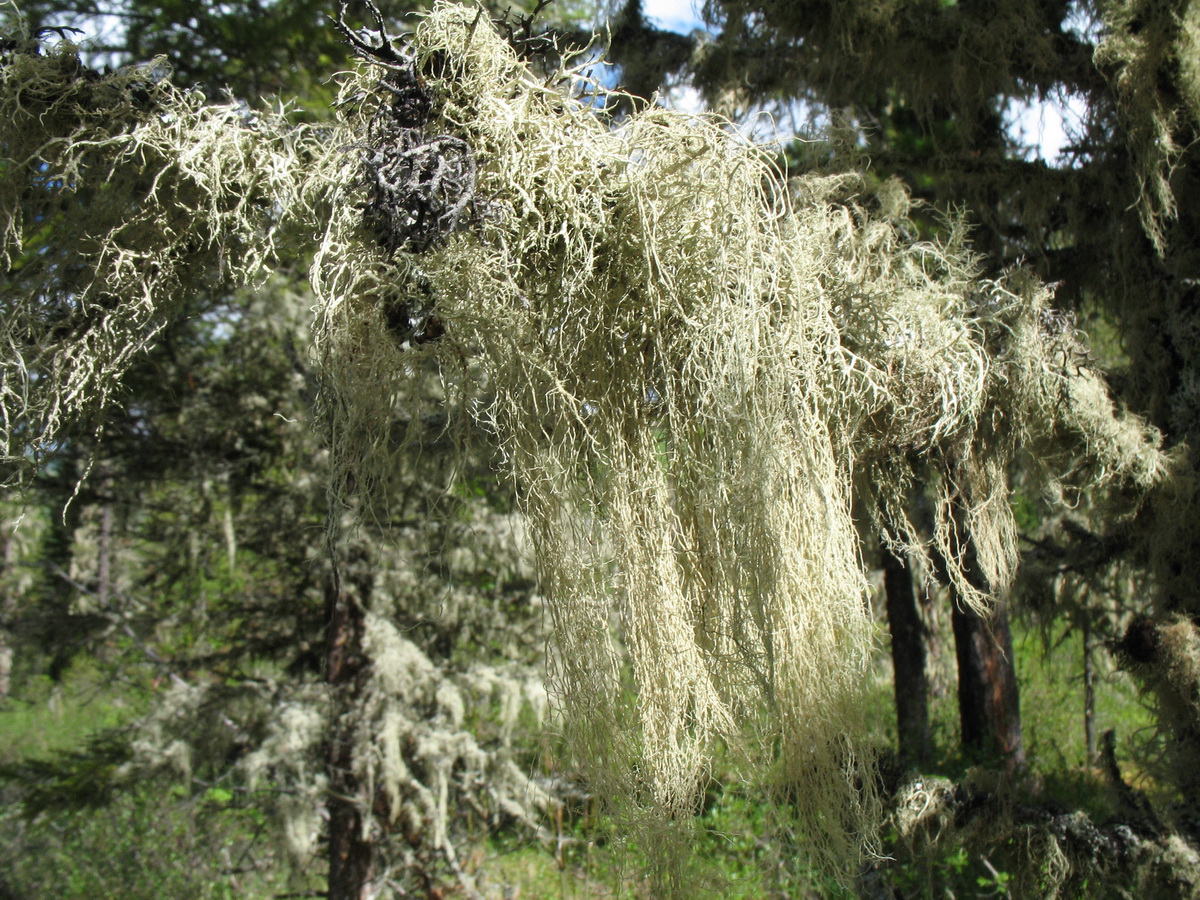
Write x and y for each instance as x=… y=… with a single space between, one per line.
x=688 y=371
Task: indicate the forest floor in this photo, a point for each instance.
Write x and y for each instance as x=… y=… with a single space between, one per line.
x=171 y=839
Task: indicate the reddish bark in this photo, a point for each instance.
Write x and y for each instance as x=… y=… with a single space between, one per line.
x=908 y=662
x=988 y=700
x=351 y=855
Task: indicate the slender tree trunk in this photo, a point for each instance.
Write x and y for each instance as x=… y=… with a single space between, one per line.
x=6 y=662
x=1089 y=693
x=351 y=854
x=989 y=708
x=7 y=610
x=988 y=702
x=59 y=635
x=104 y=557
x=908 y=662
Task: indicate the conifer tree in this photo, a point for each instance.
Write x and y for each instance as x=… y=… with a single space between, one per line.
x=212 y=472
x=689 y=367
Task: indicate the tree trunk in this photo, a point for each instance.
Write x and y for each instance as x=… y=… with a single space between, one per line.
x=908 y=662
x=7 y=612
x=104 y=557
x=351 y=854
x=1089 y=693
x=988 y=702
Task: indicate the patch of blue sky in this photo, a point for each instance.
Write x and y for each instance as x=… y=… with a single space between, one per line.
x=681 y=16
x=1046 y=128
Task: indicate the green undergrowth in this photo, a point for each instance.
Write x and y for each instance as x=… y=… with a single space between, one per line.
x=42 y=716
x=150 y=843
x=71 y=828
x=739 y=854
x=166 y=840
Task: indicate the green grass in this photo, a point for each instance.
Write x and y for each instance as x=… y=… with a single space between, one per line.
x=164 y=841
x=41 y=718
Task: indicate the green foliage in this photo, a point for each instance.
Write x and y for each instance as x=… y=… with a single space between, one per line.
x=74 y=826
x=1052 y=700
x=42 y=717
x=143 y=845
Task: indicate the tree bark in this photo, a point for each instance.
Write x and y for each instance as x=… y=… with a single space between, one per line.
x=988 y=701
x=989 y=708
x=104 y=557
x=7 y=610
x=1089 y=694
x=908 y=662
x=351 y=853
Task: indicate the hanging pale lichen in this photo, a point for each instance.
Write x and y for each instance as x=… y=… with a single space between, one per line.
x=1143 y=45
x=685 y=370
x=627 y=320
x=121 y=197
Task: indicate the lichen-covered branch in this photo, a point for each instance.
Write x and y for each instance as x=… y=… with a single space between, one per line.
x=690 y=369
x=1050 y=852
x=121 y=200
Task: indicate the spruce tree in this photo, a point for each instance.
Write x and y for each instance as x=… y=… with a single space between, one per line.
x=689 y=367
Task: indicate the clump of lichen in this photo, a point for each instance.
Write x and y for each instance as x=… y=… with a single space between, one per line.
x=1046 y=852
x=686 y=369
x=1142 y=43
x=120 y=197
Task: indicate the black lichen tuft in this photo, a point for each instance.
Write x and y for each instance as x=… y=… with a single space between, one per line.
x=421 y=187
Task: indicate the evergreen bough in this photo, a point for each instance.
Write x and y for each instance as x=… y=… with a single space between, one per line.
x=692 y=368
